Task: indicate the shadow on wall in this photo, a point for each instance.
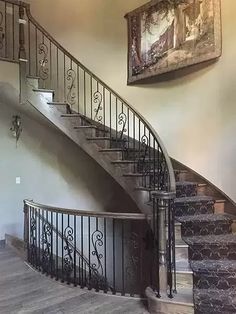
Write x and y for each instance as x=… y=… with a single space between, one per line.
x=53 y=168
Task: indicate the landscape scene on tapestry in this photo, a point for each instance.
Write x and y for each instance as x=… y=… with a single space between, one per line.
x=170 y=33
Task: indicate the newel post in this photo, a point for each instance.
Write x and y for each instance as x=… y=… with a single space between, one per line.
x=164 y=242
x=26 y=226
x=22 y=53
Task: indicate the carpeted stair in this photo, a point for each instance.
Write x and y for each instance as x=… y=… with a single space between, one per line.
x=212 y=249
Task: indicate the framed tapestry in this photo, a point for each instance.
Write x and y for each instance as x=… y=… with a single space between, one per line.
x=167 y=35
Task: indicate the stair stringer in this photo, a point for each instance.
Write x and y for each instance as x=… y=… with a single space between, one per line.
x=40 y=103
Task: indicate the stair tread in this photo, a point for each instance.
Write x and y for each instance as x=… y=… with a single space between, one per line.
x=97 y=138
x=212 y=239
x=70 y=115
x=213 y=265
x=181 y=183
x=33 y=77
x=111 y=150
x=43 y=90
x=85 y=127
x=58 y=103
x=192 y=199
x=205 y=218
x=183 y=297
x=218 y=297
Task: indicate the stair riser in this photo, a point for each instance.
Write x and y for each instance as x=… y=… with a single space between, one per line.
x=212 y=251
x=205 y=228
x=177 y=232
x=186 y=190
x=212 y=310
x=181 y=253
x=157 y=306
x=91 y=132
x=222 y=281
x=33 y=82
x=190 y=209
x=184 y=280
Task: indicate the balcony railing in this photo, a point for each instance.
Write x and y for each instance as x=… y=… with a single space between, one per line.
x=102 y=251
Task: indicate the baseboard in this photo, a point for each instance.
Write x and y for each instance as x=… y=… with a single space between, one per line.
x=2 y=244
x=16 y=244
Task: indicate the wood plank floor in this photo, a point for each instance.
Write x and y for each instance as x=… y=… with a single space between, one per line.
x=22 y=290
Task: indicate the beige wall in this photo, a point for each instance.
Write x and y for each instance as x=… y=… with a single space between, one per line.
x=194 y=115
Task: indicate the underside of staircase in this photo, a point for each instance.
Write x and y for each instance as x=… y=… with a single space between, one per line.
x=201 y=251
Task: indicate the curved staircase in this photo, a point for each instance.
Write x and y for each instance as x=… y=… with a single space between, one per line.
x=192 y=232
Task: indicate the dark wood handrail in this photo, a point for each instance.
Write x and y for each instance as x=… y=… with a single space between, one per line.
x=86 y=213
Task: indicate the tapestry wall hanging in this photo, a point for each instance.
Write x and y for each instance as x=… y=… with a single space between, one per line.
x=168 y=35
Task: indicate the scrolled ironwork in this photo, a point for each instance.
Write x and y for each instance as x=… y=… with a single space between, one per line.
x=46 y=256
x=97 y=99
x=71 y=95
x=132 y=268
x=122 y=121
x=97 y=241
x=1 y=31
x=33 y=247
x=143 y=163
x=43 y=69
x=68 y=259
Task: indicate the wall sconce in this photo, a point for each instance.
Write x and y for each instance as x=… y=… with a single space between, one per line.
x=16 y=128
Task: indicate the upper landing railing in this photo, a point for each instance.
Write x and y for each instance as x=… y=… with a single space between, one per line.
x=23 y=40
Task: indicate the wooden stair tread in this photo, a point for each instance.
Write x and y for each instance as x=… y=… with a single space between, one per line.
x=43 y=90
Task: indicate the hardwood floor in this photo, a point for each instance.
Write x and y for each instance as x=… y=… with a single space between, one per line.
x=22 y=290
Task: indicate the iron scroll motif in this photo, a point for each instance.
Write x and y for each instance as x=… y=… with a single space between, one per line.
x=97 y=99
x=132 y=268
x=43 y=70
x=68 y=260
x=46 y=256
x=71 y=96
x=33 y=247
x=97 y=241
x=122 y=121
x=143 y=165
x=1 y=31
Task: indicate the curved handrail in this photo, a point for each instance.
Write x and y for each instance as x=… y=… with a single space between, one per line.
x=172 y=185
x=85 y=213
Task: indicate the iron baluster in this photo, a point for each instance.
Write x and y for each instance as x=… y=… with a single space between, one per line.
x=97 y=99
x=67 y=256
x=71 y=95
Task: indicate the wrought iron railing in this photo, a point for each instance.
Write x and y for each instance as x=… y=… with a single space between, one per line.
x=102 y=251
x=23 y=40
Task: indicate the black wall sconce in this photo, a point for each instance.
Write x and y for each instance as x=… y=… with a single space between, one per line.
x=16 y=128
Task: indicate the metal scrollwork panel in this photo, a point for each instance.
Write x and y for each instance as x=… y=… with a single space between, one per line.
x=33 y=247
x=67 y=259
x=97 y=242
x=2 y=35
x=46 y=255
x=71 y=95
x=43 y=62
x=133 y=262
x=143 y=163
x=97 y=99
x=122 y=121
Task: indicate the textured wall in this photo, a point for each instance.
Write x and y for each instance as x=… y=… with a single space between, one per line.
x=195 y=115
